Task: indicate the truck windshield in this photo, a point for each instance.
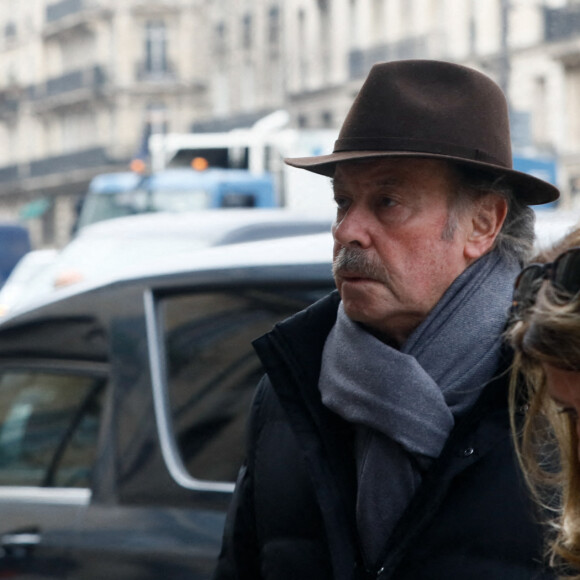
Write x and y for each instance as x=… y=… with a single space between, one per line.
x=174 y=190
x=98 y=206
x=178 y=200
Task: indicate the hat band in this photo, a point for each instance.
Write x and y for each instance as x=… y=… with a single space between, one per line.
x=397 y=144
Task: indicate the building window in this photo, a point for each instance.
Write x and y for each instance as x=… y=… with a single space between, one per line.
x=155 y=47
x=247 y=31
x=327 y=119
x=220 y=38
x=274 y=25
x=10 y=30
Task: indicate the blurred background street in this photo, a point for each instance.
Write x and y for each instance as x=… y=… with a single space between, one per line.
x=150 y=231
x=84 y=84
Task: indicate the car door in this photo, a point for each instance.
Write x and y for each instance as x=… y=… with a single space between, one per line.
x=184 y=373
x=141 y=523
x=50 y=414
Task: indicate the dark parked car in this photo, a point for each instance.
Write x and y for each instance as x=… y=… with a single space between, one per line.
x=122 y=410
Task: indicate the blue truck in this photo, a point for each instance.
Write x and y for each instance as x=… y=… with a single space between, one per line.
x=120 y=194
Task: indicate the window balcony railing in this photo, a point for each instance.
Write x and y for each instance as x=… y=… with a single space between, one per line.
x=91 y=79
x=9 y=173
x=562 y=23
x=10 y=30
x=59 y=10
x=165 y=74
x=85 y=159
x=9 y=103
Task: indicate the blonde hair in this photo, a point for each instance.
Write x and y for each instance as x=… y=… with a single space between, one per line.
x=546 y=440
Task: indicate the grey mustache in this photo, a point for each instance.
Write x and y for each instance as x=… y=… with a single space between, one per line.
x=356 y=262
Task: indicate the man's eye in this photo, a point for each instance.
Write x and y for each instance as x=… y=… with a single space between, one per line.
x=387 y=202
x=341 y=202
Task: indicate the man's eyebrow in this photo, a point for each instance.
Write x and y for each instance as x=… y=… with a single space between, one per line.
x=387 y=184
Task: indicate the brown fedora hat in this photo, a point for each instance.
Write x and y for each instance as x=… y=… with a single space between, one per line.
x=431 y=109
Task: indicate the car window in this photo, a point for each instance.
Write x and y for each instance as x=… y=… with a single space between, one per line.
x=212 y=370
x=49 y=426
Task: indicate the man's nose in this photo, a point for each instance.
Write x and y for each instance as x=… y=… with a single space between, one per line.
x=353 y=228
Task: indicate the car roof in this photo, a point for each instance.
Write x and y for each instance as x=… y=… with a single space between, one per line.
x=283 y=254
x=211 y=223
x=291 y=251
x=105 y=248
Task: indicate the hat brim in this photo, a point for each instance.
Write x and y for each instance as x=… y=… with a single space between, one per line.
x=527 y=188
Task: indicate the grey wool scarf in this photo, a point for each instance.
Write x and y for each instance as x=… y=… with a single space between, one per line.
x=405 y=402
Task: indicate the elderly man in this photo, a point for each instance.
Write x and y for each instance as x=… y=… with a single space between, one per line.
x=379 y=442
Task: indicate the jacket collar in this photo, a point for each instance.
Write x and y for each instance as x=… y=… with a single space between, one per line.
x=291 y=355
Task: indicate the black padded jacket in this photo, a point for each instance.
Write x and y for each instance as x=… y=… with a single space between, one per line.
x=292 y=514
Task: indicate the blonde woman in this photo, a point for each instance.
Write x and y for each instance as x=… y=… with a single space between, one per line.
x=545 y=393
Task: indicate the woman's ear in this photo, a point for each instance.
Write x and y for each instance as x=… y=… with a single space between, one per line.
x=487 y=219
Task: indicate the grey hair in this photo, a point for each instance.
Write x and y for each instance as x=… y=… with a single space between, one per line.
x=515 y=241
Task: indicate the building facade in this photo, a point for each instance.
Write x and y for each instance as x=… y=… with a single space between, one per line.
x=83 y=83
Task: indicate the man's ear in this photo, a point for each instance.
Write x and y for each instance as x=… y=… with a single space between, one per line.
x=487 y=219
